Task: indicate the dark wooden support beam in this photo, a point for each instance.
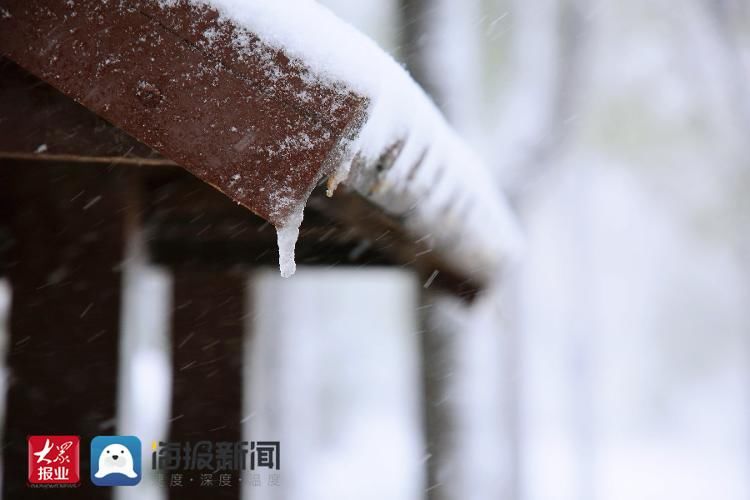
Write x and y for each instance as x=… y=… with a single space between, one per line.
x=188 y=225
x=214 y=106
x=64 y=248
x=438 y=364
x=207 y=330
x=375 y=230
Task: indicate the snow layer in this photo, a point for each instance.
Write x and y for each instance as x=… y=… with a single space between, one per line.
x=435 y=182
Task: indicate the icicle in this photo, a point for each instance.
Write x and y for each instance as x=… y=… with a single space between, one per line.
x=331 y=184
x=286 y=237
x=342 y=171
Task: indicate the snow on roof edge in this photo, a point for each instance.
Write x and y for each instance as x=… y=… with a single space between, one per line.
x=452 y=198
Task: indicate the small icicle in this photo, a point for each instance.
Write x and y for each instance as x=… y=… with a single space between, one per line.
x=337 y=178
x=342 y=171
x=286 y=237
x=331 y=184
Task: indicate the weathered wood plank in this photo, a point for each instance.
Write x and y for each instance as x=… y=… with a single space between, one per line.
x=264 y=138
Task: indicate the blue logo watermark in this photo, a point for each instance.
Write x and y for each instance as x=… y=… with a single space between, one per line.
x=115 y=461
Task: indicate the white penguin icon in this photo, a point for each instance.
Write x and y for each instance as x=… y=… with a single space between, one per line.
x=115 y=458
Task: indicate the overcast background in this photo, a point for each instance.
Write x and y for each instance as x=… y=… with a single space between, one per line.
x=620 y=130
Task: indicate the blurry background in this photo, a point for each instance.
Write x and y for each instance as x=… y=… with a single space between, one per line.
x=619 y=129
x=613 y=361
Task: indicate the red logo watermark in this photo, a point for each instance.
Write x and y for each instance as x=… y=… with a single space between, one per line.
x=54 y=460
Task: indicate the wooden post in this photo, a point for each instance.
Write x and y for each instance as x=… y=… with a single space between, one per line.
x=438 y=414
x=64 y=268
x=208 y=324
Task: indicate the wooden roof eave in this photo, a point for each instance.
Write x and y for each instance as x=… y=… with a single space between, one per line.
x=248 y=122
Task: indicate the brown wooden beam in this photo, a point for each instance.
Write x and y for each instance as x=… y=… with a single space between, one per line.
x=189 y=225
x=213 y=106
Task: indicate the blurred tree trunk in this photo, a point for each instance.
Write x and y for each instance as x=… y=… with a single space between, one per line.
x=442 y=50
x=544 y=68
